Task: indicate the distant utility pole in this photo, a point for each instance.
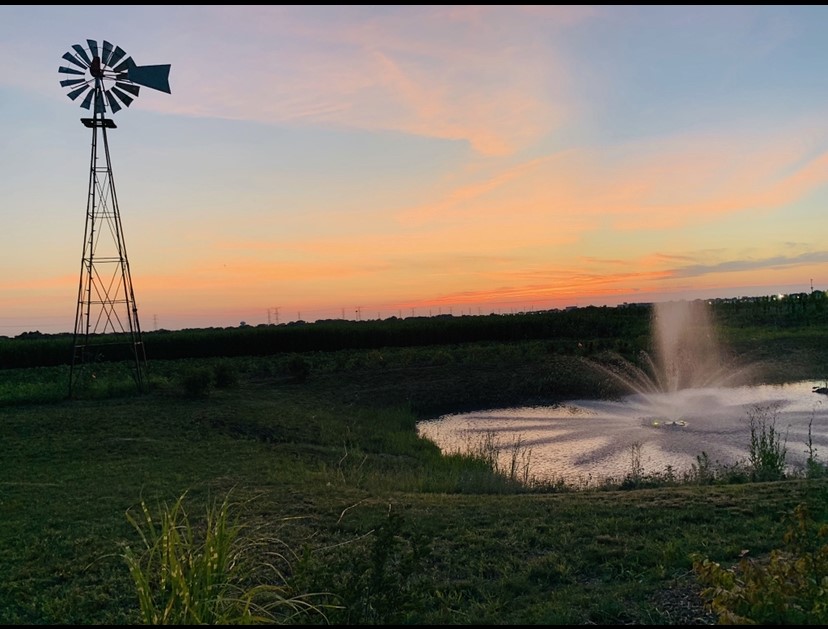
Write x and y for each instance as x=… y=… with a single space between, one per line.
x=275 y=310
x=358 y=312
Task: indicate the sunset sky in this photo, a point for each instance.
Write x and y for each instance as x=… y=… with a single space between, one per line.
x=373 y=161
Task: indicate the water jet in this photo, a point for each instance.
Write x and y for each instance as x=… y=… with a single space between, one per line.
x=687 y=354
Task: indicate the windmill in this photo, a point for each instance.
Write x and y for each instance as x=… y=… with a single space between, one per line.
x=106 y=79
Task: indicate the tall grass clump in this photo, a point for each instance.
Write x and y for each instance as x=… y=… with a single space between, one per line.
x=509 y=462
x=767 y=449
x=190 y=575
x=482 y=464
x=814 y=468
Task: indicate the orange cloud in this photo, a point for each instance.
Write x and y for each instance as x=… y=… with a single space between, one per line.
x=664 y=184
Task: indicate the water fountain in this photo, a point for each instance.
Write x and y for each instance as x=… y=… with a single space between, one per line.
x=687 y=398
x=688 y=355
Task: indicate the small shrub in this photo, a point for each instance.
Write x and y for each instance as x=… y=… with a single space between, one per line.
x=197 y=381
x=225 y=376
x=298 y=368
x=789 y=587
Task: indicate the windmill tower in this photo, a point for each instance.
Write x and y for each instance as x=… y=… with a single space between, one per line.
x=106 y=318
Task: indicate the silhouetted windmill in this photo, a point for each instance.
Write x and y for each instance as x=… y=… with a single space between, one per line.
x=106 y=319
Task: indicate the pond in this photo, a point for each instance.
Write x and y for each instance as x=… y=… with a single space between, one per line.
x=583 y=442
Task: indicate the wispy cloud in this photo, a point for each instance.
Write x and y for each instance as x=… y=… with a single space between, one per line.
x=663 y=183
x=477 y=74
x=808 y=259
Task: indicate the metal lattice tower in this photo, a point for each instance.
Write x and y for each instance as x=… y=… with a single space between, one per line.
x=106 y=318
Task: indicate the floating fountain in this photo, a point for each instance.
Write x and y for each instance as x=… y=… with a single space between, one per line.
x=688 y=354
x=688 y=398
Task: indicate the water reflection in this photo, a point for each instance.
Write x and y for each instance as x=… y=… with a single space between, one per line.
x=584 y=441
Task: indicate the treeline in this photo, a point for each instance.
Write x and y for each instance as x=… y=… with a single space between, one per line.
x=582 y=325
x=797 y=309
x=624 y=328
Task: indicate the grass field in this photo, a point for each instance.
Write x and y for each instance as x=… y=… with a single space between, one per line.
x=319 y=455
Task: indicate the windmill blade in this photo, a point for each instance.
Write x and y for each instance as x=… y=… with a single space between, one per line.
x=75 y=93
x=128 y=87
x=107 y=52
x=113 y=104
x=72 y=59
x=93 y=47
x=116 y=56
x=69 y=82
x=65 y=70
x=82 y=53
x=126 y=99
x=126 y=64
x=88 y=100
x=154 y=77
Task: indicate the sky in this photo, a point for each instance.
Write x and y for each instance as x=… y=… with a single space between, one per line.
x=368 y=161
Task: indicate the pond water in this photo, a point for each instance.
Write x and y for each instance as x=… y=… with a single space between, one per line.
x=582 y=442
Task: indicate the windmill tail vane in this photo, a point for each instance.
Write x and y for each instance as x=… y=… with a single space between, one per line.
x=107 y=77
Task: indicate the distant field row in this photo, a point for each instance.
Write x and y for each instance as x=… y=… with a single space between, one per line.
x=625 y=330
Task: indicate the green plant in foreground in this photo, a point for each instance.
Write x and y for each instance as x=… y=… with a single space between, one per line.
x=789 y=587
x=381 y=579
x=185 y=576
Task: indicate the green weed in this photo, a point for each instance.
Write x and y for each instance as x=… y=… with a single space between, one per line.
x=185 y=575
x=378 y=577
x=767 y=448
